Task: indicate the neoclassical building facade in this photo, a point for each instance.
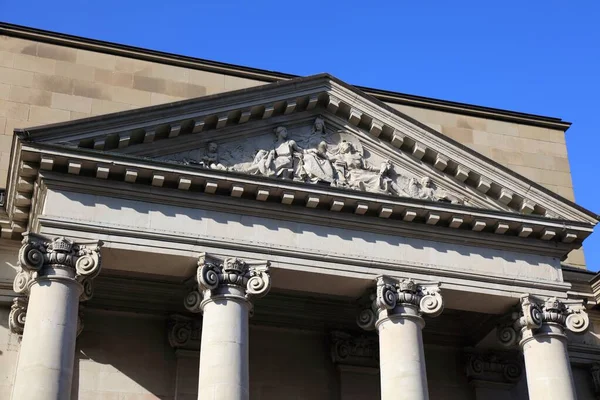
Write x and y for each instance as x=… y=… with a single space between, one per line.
x=297 y=238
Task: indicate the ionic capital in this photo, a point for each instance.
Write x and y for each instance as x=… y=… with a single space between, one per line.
x=354 y=350
x=404 y=298
x=231 y=278
x=16 y=318
x=42 y=257
x=493 y=368
x=535 y=317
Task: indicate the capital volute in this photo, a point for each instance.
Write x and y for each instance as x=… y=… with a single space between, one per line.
x=395 y=296
x=232 y=278
x=535 y=317
x=44 y=257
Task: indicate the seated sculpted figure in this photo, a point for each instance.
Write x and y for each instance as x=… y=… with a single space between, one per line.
x=281 y=161
x=211 y=157
x=354 y=171
x=426 y=190
x=316 y=165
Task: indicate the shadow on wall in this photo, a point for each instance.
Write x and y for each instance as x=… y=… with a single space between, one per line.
x=123 y=356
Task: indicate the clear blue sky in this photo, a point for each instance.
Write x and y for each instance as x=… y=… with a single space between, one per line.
x=541 y=57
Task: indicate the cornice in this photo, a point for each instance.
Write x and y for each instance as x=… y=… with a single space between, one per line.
x=271 y=76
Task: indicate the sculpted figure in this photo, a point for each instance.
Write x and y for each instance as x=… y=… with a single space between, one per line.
x=318 y=127
x=284 y=157
x=316 y=165
x=426 y=190
x=211 y=157
x=354 y=171
x=282 y=161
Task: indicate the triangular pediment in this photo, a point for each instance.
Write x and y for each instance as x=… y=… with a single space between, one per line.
x=368 y=148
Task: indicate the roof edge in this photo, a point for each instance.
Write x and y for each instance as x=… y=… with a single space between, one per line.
x=272 y=76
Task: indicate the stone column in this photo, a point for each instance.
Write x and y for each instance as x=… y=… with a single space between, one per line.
x=55 y=275
x=539 y=328
x=224 y=296
x=396 y=312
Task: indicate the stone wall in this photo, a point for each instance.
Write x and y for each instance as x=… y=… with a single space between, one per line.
x=43 y=83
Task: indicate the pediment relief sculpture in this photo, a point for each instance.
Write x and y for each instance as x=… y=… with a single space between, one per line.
x=315 y=156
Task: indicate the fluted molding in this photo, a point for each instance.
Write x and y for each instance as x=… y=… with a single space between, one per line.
x=356 y=350
x=59 y=258
x=391 y=293
x=232 y=278
x=493 y=368
x=531 y=314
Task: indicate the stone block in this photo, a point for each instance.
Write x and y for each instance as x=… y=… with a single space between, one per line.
x=7 y=59
x=235 y=83
x=91 y=89
x=505 y=157
x=461 y=135
x=501 y=127
x=79 y=115
x=16 y=77
x=543 y=134
x=30 y=96
x=97 y=60
x=74 y=71
x=53 y=83
x=2 y=124
x=34 y=64
x=149 y=84
x=490 y=139
x=45 y=115
x=170 y=72
x=474 y=123
x=4 y=90
x=107 y=107
x=123 y=64
x=12 y=124
x=71 y=103
x=130 y=96
x=560 y=164
x=159 y=98
x=13 y=110
x=187 y=90
x=5 y=144
x=116 y=78
x=18 y=45
x=215 y=83
x=55 y=52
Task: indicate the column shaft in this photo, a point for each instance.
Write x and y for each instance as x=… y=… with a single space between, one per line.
x=45 y=367
x=547 y=365
x=224 y=351
x=402 y=360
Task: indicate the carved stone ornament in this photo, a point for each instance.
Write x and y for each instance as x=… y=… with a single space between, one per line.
x=232 y=277
x=532 y=314
x=39 y=255
x=16 y=318
x=390 y=293
x=314 y=156
x=494 y=368
x=354 y=350
x=183 y=332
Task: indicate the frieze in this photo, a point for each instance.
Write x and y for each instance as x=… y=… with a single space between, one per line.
x=315 y=156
